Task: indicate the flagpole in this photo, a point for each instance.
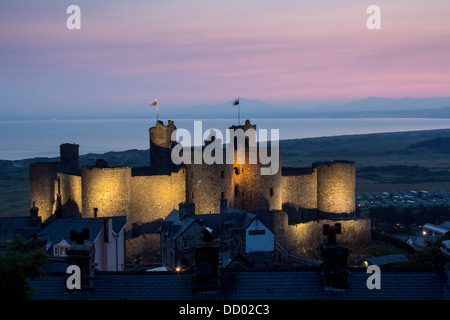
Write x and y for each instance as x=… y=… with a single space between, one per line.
x=239 y=111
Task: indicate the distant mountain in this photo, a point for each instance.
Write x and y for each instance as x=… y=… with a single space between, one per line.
x=372 y=107
x=443 y=113
x=248 y=109
x=385 y=104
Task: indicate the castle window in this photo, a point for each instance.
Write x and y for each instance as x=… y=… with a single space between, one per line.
x=236 y=190
x=223 y=174
x=236 y=170
x=222 y=195
x=271 y=192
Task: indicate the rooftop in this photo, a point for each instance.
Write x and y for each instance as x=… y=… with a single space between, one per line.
x=292 y=283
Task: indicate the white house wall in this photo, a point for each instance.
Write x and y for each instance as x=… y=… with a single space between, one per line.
x=258 y=242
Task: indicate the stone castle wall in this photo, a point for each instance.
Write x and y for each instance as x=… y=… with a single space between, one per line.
x=206 y=184
x=305 y=238
x=70 y=189
x=42 y=187
x=336 y=182
x=300 y=190
x=108 y=190
x=149 y=197
x=241 y=184
x=154 y=197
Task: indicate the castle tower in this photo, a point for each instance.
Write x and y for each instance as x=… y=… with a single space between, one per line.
x=42 y=187
x=69 y=158
x=161 y=146
x=241 y=184
x=336 y=183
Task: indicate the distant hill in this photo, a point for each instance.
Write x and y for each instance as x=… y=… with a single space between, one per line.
x=248 y=109
x=372 y=107
x=440 y=144
x=387 y=104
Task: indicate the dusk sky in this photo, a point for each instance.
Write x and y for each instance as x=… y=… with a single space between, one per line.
x=185 y=53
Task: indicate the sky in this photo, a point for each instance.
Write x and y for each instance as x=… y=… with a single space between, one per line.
x=185 y=53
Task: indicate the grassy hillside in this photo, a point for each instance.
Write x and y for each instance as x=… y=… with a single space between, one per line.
x=385 y=162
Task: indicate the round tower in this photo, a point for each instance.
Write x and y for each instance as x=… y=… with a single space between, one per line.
x=161 y=145
x=336 y=183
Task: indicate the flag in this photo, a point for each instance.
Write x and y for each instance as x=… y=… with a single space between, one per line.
x=236 y=102
x=154 y=102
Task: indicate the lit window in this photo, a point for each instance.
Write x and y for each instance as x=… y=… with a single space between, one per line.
x=55 y=251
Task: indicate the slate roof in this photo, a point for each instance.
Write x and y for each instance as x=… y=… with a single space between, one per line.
x=11 y=226
x=246 y=284
x=238 y=220
x=173 y=227
x=60 y=228
x=435 y=228
x=387 y=259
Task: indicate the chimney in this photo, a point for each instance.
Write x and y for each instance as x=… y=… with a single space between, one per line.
x=82 y=254
x=107 y=229
x=34 y=217
x=207 y=254
x=223 y=205
x=187 y=209
x=334 y=257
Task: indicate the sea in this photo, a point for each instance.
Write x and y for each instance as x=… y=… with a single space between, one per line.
x=42 y=138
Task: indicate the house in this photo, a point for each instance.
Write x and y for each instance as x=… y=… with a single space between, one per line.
x=437 y=231
x=239 y=233
x=242 y=233
x=106 y=233
x=180 y=230
x=22 y=226
x=209 y=281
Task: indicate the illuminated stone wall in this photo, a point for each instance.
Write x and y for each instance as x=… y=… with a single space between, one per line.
x=108 y=189
x=154 y=197
x=70 y=190
x=306 y=237
x=206 y=184
x=241 y=184
x=300 y=190
x=336 y=183
x=42 y=187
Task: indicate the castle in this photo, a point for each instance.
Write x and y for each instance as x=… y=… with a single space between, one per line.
x=299 y=200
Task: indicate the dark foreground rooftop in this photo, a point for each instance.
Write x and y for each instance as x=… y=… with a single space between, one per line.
x=254 y=284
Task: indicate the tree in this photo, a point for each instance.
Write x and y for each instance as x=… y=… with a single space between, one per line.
x=18 y=262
